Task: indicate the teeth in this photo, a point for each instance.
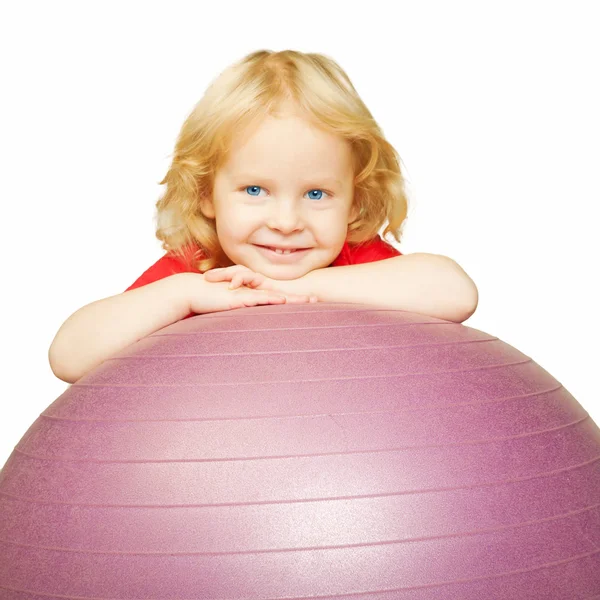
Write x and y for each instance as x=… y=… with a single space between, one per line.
x=279 y=251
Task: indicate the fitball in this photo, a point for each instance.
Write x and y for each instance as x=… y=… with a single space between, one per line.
x=306 y=451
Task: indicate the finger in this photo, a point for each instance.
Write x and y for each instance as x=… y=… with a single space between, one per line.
x=249 y=279
x=224 y=273
x=297 y=299
x=212 y=276
x=256 y=280
x=237 y=281
x=259 y=297
x=246 y=279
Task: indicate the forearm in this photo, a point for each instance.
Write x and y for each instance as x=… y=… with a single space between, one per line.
x=100 y=329
x=428 y=284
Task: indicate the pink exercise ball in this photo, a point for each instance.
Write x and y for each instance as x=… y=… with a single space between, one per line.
x=314 y=451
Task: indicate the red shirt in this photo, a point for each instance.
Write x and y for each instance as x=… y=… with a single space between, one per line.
x=377 y=249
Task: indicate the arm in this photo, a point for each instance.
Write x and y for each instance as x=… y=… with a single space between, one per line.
x=429 y=284
x=102 y=328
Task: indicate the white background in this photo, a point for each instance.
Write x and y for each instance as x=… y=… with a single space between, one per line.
x=492 y=106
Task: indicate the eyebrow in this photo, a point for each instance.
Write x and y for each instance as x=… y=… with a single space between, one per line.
x=253 y=177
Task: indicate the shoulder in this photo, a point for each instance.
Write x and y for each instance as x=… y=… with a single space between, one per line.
x=371 y=251
x=169 y=264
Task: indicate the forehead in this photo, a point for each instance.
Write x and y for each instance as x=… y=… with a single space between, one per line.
x=288 y=142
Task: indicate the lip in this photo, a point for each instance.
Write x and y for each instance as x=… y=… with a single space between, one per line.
x=282 y=258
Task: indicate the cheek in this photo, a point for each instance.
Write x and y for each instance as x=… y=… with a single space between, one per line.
x=233 y=226
x=332 y=230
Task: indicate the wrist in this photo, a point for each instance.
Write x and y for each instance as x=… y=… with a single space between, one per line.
x=307 y=285
x=186 y=288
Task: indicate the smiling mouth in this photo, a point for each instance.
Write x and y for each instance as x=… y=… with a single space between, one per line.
x=281 y=250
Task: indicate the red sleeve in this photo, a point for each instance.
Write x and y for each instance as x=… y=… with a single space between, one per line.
x=376 y=249
x=169 y=264
x=163 y=267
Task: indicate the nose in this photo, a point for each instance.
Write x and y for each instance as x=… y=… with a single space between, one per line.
x=285 y=216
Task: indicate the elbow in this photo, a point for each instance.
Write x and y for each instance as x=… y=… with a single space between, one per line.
x=466 y=295
x=467 y=306
x=59 y=365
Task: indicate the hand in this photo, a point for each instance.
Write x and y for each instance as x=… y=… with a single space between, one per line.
x=206 y=296
x=239 y=275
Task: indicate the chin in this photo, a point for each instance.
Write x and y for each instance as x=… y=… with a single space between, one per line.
x=283 y=272
x=259 y=263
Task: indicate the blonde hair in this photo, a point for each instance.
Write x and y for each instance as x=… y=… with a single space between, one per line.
x=240 y=98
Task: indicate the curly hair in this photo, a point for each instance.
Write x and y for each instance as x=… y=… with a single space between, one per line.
x=238 y=100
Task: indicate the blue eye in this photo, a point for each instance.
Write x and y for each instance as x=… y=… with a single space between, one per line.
x=320 y=191
x=257 y=187
x=253 y=186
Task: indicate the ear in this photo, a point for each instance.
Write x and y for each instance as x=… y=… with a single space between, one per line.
x=207 y=208
x=354 y=213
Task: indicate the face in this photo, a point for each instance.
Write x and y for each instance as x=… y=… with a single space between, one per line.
x=286 y=185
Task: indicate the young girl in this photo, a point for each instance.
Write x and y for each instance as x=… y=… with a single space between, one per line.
x=279 y=173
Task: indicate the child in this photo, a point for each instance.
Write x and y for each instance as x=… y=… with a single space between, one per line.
x=279 y=172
